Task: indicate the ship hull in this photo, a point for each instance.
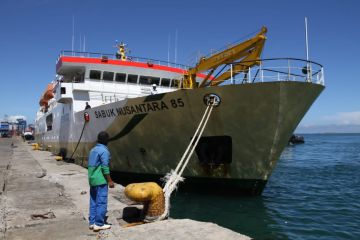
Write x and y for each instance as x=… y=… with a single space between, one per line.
x=240 y=146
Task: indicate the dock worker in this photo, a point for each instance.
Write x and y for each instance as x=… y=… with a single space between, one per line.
x=87 y=106
x=153 y=90
x=99 y=181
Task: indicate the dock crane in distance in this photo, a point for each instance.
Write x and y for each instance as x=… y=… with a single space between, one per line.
x=248 y=51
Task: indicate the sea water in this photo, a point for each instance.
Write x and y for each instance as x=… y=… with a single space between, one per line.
x=313 y=193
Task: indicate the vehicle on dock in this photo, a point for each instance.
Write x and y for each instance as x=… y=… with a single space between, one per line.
x=5 y=129
x=5 y=134
x=152 y=108
x=28 y=136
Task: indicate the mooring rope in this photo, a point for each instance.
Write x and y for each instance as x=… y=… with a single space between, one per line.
x=168 y=182
x=82 y=131
x=174 y=177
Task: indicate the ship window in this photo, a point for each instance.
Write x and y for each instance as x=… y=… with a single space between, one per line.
x=108 y=76
x=49 y=122
x=165 y=82
x=120 y=77
x=94 y=74
x=132 y=78
x=78 y=77
x=146 y=80
x=62 y=90
x=176 y=83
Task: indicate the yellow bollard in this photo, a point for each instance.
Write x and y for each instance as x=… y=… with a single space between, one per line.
x=35 y=146
x=151 y=195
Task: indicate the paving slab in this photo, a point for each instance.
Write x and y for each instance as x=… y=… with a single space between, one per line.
x=180 y=229
x=6 y=152
x=59 y=229
x=27 y=195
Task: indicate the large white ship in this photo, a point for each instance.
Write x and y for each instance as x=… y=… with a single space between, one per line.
x=152 y=108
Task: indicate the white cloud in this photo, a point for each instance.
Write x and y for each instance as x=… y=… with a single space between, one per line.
x=328 y=129
x=341 y=122
x=14 y=117
x=343 y=118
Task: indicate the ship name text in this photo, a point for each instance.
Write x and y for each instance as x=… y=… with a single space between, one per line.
x=146 y=107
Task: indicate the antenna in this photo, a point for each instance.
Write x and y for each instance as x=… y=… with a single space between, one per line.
x=72 y=41
x=306 y=40
x=80 y=40
x=84 y=44
x=176 y=36
x=169 y=49
x=308 y=65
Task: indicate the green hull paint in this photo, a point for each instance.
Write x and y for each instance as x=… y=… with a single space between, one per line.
x=259 y=118
x=250 y=187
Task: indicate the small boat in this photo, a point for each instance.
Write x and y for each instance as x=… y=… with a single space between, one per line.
x=296 y=139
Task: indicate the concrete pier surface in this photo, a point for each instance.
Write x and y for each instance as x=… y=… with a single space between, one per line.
x=41 y=198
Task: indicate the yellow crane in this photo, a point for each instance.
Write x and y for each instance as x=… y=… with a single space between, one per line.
x=248 y=52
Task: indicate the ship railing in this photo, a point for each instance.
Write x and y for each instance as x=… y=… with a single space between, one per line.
x=274 y=69
x=113 y=57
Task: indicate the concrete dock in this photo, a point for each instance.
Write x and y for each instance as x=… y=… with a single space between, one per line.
x=41 y=198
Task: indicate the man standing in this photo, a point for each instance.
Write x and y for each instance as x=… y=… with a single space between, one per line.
x=87 y=106
x=99 y=180
x=153 y=90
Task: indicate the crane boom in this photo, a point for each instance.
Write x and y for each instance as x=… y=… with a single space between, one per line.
x=248 y=50
x=247 y=62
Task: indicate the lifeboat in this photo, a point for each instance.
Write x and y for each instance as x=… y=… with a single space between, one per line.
x=47 y=95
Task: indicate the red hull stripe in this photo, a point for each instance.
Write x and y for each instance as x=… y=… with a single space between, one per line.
x=122 y=63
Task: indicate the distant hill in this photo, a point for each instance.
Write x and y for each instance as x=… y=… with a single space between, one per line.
x=331 y=128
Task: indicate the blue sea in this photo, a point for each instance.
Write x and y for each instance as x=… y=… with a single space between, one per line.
x=313 y=193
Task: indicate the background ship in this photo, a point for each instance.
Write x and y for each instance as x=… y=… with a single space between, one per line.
x=151 y=110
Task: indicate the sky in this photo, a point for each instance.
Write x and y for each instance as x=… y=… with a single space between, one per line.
x=34 y=32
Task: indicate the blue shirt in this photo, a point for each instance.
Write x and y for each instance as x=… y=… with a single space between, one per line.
x=98 y=165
